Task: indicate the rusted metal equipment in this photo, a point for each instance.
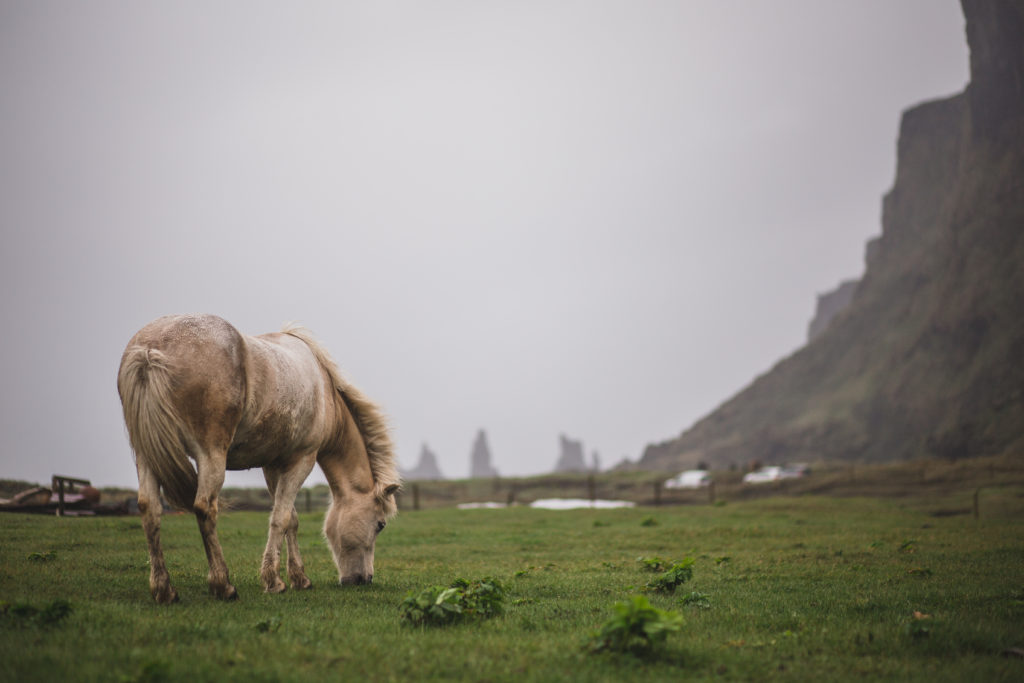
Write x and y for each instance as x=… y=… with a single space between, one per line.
x=58 y=485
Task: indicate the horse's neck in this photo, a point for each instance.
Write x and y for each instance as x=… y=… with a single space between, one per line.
x=345 y=462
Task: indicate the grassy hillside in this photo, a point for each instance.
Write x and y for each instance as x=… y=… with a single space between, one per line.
x=926 y=360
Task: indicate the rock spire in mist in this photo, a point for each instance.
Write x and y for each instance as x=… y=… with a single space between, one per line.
x=480 y=458
x=427 y=468
x=571 y=456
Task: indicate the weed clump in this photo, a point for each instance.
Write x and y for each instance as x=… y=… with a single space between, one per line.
x=438 y=605
x=696 y=599
x=269 y=625
x=42 y=556
x=50 y=614
x=675 y=576
x=636 y=628
x=654 y=564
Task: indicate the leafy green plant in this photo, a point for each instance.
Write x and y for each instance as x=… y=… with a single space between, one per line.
x=675 y=576
x=919 y=626
x=269 y=625
x=434 y=605
x=438 y=605
x=48 y=615
x=654 y=564
x=649 y=521
x=696 y=599
x=42 y=557
x=636 y=627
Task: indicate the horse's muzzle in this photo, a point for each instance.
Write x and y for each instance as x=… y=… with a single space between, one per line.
x=357 y=580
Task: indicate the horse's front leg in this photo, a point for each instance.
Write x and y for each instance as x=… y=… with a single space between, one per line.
x=211 y=479
x=296 y=570
x=284 y=523
x=150 y=508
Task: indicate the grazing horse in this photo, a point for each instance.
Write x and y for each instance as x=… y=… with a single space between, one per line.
x=194 y=387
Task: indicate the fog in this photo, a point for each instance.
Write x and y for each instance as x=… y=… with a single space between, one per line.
x=600 y=219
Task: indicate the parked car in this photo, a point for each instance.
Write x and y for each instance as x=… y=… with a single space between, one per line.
x=763 y=475
x=795 y=471
x=776 y=472
x=690 y=479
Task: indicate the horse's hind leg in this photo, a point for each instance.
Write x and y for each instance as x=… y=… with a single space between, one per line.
x=211 y=478
x=150 y=508
x=284 y=521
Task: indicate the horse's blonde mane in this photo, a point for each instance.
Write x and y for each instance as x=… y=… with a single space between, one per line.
x=370 y=419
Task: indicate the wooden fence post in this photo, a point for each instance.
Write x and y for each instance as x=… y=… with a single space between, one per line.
x=58 y=483
x=415 y=496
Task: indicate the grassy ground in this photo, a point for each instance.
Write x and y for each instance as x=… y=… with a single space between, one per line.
x=806 y=588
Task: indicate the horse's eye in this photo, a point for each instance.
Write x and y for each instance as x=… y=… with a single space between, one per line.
x=380 y=526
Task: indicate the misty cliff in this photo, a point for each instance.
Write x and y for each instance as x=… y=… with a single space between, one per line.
x=928 y=357
x=426 y=469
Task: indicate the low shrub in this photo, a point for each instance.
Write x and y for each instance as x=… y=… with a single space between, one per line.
x=636 y=627
x=696 y=599
x=654 y=564
x=675 y=576
x=50 y=614
x=439 y=605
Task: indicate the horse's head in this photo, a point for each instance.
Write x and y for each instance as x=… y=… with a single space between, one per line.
x=351 y=527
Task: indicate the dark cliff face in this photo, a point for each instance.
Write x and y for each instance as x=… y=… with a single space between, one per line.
x=994 y=35
x=928 y=358
x=830 y=304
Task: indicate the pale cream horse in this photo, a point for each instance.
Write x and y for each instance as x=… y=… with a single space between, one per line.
x=194 y=388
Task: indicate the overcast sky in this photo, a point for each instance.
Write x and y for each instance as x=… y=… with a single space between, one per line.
x=593 y=218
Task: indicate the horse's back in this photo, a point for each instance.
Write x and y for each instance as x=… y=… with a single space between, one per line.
x=290 y=406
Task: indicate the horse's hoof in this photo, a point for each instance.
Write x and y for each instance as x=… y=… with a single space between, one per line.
x=301 y=583
x=227 y=592
x=165 y=596
x=278 y=586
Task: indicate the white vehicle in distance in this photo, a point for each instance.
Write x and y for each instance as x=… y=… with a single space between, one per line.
x=775 y=472
x=763 y=475
x=795 y=471
x=690 y=479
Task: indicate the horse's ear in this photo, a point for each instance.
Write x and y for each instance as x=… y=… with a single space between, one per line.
x=391 y=489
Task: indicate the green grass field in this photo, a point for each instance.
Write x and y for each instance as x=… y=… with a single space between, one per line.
x=806 y=588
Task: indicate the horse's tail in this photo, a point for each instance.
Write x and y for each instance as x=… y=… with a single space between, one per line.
x=156 y=432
